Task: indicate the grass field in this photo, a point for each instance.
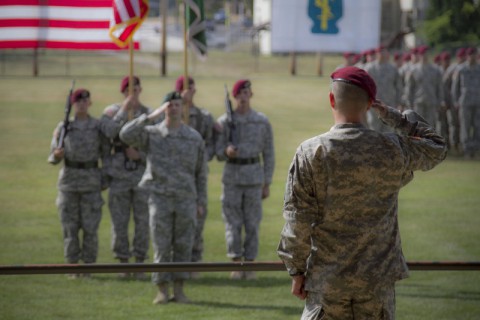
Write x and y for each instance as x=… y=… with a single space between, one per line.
x=439 y=210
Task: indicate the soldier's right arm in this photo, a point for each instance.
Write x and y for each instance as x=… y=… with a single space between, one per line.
x=222 y=139
x=112 y=121
x=134 y=133
x=422 y=146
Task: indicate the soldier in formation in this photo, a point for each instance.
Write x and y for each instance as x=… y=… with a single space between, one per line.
x=80 y=181
x=466 y=98
x=176 y=180
x=202 y=121
x=125 y=169
x=246 y=145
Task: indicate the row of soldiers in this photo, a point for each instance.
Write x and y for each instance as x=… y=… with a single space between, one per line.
x=155 y=166
x=445 y=93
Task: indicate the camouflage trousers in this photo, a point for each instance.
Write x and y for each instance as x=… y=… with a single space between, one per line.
x=172 y=225
x=375 y=304
x=80 y=211
x=470 y=127
x=124 y=202
x=454 y=125
x=197 y=249
x=242 y=208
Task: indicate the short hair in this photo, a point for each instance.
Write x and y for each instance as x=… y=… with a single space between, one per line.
x=349 y=98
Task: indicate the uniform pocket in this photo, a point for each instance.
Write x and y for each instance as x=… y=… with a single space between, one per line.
x=313 y=309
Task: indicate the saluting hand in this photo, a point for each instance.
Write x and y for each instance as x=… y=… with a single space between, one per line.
x=157 y=112
x=380 y=108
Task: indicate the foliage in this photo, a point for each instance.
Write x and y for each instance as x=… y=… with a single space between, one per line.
x=452 y=21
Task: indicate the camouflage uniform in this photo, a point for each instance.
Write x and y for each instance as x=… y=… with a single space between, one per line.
x=340 y=208
x=176 y=178
x=202 y=121
x=243 y=180
x=125 y=196
x=466 y=94
x=424 y=91
x=403 y=72
x=80 y=182
x=389 y=90
x=452 y=127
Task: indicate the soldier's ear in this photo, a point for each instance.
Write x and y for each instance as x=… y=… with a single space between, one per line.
x=332 y=100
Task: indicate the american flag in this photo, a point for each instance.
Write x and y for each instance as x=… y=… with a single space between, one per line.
x=56 y=24
x=128 y=15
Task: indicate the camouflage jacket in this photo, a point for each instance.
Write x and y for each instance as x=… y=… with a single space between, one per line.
x=388 y=80
x=424 y=86
x=85 y=142
x=112 y=121
x=254 y=139
x=341 y=201
x=466 y=85
x=176 y=163
x=202 y=121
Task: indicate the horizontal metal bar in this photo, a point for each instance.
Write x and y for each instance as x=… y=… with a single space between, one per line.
x=204 y=267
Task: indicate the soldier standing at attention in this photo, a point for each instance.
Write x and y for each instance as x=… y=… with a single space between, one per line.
x=466 y=98
x=341 y=241
x=424 y=88
x=176 y=179
x=453 y=113
x=125 y=169
x=247 y=175
x=389 y=85
x=202 y=121
x=80 y=182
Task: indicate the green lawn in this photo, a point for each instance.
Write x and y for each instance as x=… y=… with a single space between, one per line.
x=439 y=216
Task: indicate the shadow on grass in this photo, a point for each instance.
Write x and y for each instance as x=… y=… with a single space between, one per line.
x=260 y=282
x=434 y=292
x=205 y=280
x=223 y=305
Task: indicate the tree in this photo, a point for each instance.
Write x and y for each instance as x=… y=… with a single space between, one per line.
x=453 y=22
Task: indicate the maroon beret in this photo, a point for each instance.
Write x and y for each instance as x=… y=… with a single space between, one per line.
x=124 y=84
x=461 y=52
x=445 y=55
x=348 y=54
x=422 y=49
x=179 y=83
x=79 y=94
x=414 y=50
x=471 y=50
x=407 y=56
x=239 y=85
x=437 y=58
x=397 y=56
x=358 y=77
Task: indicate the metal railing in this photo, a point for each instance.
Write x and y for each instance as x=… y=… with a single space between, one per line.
x=204 y=267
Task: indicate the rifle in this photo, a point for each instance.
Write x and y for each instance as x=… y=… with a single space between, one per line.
x=66 y=121
x=232 y=137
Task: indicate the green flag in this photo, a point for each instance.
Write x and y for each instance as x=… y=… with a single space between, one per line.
x=196 y=27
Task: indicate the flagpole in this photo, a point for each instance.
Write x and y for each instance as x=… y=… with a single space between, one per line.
x=186 y=113
x=130 y=75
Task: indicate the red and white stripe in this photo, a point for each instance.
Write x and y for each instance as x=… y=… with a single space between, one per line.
x=56 y=24
x=128 y=15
